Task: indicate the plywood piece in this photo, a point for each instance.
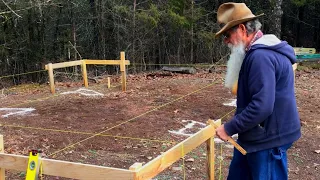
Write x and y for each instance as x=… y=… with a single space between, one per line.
x=165 y=160
x=66 y=169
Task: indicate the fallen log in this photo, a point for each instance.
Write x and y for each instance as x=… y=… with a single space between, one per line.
x=184 y=70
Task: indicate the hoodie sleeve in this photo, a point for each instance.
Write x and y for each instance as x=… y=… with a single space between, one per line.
x=261 y=84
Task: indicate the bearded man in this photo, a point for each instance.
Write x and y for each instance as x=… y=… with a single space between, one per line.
x=266 y=118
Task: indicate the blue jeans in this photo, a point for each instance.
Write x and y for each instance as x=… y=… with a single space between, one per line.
x=269 y=164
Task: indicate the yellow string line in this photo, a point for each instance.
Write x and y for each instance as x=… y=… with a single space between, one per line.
x=85 y=133
x=31 y=101
x=228 y=113
x=77 y=143
x=40 y=99
x=178 y=64
x=22 y=74
x=183 y=163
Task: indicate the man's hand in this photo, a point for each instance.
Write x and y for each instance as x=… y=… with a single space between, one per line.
x=221 y=133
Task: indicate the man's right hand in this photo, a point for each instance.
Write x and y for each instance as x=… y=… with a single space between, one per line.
x=221 y=133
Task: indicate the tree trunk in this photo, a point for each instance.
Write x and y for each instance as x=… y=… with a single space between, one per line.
x=275 y=19
x=191 y=53
x=300 y=15
x=95 y=43
x=134 y=28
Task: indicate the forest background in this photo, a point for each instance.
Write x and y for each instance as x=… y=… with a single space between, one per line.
x=36 y=32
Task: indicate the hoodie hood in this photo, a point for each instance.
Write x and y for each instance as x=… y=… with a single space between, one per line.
x=271 y=42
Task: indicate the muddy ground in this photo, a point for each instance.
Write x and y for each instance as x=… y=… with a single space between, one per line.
x=137 y=124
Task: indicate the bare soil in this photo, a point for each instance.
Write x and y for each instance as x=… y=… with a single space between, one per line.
x=136 y=123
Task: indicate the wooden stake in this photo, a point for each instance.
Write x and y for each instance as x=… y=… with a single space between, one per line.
x=2 y=171
x=210 y=154
x=109 y=84
x=210 y=158
x=123 y=70
x=51 y=78
x=84 y=73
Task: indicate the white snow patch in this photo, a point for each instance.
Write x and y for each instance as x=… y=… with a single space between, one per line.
x=190 y=125
x=232 y=102
x=85 y=92
x=16 y=111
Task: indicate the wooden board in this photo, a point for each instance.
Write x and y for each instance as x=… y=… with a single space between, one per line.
x=163 y=161
x=2 y=170
x=66 y=169
x=64 y=64
x=300 y=50
x=106 y=62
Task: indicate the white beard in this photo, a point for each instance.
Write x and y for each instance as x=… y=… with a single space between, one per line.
x=234 y=64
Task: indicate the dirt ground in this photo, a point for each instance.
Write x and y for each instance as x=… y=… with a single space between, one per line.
x=136 y=124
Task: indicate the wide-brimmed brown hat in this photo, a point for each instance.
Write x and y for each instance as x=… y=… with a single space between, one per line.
x=232 y=14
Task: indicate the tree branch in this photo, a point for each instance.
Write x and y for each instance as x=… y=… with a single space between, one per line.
x=11 y=9
x=75 y=48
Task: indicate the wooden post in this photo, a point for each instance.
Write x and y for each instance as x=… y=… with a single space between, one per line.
x=109 y=84
x=2 y=171
x=51 y=78
x=210 y=154
x=210 y=158
x=135 y=167
x=84 y=73
x=123 y=70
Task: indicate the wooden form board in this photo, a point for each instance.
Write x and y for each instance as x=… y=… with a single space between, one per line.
x=122 y=63
x=64 y=64
x=136 y=172
x=300 y=50
x=165 y=160
x=87 y=61
x=105 y=62
x=67 y=169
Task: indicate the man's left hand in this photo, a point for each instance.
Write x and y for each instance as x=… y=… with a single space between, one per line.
x=221 y=133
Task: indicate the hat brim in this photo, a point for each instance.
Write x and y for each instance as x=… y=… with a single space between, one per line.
x=234 y=23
